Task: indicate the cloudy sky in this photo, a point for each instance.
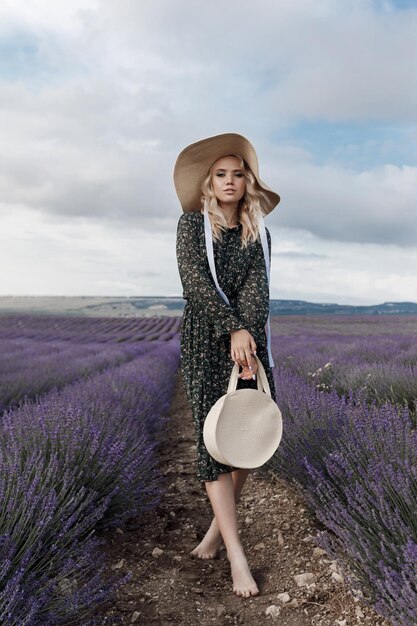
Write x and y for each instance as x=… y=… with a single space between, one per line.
x=98 y=97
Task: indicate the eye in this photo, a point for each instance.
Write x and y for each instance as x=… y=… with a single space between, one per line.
x=219 y=174
x=239 y=174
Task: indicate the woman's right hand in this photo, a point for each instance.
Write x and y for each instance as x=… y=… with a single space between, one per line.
x=241 y=351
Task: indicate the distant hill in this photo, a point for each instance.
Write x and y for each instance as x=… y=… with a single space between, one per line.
x=138 y=306
x=301 y=307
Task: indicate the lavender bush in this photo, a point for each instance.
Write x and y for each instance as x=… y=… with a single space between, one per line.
x=50 y=564
x=311 y=425
x=48 y=328
x=78 y=459
x=367 y=497
x=29 y=367
x=376 y=368
x=354 y=453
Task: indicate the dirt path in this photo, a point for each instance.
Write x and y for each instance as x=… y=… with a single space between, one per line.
x=277 y=531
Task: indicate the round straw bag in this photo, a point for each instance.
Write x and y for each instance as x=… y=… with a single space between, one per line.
x=244 y=427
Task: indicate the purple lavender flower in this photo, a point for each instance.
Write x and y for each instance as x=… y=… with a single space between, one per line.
x=73 y=461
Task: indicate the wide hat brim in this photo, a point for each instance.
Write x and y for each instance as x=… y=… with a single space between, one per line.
x=193 y=163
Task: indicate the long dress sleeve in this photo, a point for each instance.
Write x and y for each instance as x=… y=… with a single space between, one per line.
x=198 y=284
x=253 y=298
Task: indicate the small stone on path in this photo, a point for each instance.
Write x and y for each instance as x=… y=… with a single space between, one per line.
x=284 y=597
x=304 y=579
x=273 y=610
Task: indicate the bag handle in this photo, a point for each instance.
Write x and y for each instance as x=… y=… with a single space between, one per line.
x=262 y=380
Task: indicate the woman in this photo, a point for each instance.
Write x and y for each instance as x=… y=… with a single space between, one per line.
x=219 y=175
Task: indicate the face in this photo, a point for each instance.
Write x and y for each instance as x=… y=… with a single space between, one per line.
x=228 y=180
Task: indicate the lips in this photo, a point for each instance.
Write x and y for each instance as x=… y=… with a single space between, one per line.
x=230 y=190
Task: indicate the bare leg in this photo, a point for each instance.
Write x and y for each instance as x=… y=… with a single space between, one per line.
x=222 y=498
x=212 y=540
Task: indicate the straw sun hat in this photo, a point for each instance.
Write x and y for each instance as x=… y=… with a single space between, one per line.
x=193 y=163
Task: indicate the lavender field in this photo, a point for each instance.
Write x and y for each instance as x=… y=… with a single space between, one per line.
x=347 y=388
x=84 y=402
x=39 y=353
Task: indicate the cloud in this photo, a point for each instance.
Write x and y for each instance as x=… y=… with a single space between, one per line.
x=44 y=256
x=349 y=273
x=333 y=60
x=300 y=255
x=376 y=206
x=97 y=99
x=71 y=153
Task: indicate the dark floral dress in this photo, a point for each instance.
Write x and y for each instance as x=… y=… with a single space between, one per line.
x=207 y=320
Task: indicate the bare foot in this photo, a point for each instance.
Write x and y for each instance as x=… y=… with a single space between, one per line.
x=243 y=582
x=211 y=542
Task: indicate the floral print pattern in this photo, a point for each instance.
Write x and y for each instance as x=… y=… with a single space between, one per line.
x=207 y=320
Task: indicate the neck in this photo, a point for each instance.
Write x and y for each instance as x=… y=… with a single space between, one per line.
x=230 y=212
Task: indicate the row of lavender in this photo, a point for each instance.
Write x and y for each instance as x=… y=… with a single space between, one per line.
x=87 y=329
x=379 y=367
x=31 y=367
x=349 y=411
x=42 y=352
x=73 y=461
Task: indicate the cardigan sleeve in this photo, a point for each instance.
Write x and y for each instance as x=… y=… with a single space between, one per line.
x=197 y=282
x=253 y=297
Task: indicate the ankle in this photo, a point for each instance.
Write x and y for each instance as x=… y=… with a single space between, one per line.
x=236 y=554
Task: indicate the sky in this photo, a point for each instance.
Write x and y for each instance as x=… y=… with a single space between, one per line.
x=98 y=98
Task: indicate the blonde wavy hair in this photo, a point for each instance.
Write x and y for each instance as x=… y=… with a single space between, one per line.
x=250 y=205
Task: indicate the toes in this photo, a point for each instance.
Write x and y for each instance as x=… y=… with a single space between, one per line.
x=242 y=593
x=245 y=593
x=201 y=555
